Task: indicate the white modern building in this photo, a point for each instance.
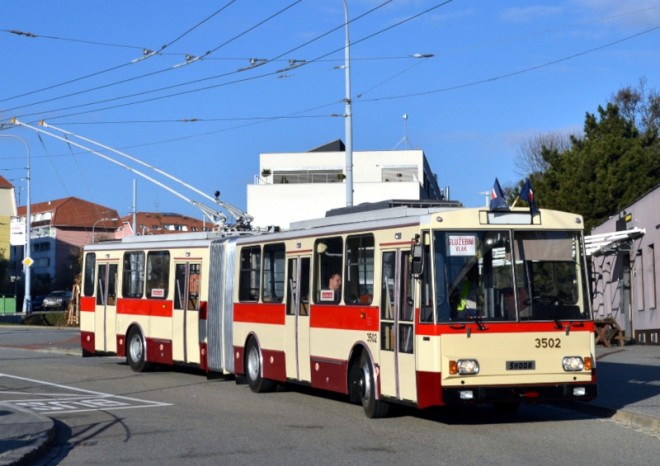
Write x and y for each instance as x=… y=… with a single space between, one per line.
x=296 y=186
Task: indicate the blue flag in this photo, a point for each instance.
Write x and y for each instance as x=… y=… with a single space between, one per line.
x=527 y=195
x=497 y=200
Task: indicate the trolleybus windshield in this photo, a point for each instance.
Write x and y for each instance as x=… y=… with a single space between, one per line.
x=508 y=275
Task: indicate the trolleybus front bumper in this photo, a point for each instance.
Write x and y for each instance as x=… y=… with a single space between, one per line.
x=518 y=394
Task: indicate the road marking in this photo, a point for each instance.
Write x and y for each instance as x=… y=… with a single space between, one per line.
x=67 y=399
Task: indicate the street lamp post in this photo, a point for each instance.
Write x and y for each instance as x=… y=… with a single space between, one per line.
x=349 y=114
x=27 y=299
x=104 y=219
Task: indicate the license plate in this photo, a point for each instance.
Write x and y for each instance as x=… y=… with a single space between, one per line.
x=520 y=365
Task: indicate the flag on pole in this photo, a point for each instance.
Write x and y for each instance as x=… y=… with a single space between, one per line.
x=497 y=200
x=527 y=195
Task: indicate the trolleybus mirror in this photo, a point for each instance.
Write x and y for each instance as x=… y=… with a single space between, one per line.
x=416 y=260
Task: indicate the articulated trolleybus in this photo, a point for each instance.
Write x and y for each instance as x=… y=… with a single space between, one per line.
x=438 y=306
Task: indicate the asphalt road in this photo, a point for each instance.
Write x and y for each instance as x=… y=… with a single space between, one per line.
x=107 y=414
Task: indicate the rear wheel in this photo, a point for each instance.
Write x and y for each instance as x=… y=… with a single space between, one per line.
x=373 y=408
x=253 y=370
x=136 y=351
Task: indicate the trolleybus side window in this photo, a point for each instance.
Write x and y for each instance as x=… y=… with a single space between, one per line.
x=249 y=274
x=327 y=263
x=358 y=282
x=273 y=279
x=133 y=275
x=158 y=274
x=90 y=269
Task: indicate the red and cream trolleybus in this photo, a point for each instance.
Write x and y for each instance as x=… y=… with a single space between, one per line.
x=418 y=305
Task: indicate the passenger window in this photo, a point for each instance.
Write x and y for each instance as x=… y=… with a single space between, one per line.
x=248 y=287
x=359 y=276
x=327 y=273
x=158 y=274
x=133 y=275
x=90 y=269
x=273 y=277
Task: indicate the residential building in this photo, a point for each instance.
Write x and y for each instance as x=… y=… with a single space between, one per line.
x=155 y=223
x=58 y=231
x=625 y=257
x=7 y=211
x=296 y=186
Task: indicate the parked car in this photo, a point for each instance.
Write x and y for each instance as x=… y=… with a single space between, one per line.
x=56 y=300
x=37 y=302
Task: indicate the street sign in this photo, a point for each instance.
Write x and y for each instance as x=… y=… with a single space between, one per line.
x=28 y=261
x=17 y=234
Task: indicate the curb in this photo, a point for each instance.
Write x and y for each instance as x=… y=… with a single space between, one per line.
x=624 y=416
x=33 y=445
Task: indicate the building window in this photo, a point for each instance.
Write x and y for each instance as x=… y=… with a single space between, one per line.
x=308 y=176
x=653 y=291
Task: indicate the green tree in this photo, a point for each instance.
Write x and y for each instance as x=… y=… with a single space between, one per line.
x=607 y=168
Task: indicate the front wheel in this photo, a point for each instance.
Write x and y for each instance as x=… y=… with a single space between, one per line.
x=136 y=351
x=253 y=370
x=373 y=408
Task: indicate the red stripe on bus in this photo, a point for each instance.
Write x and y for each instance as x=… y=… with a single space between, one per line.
x=144 y=307
x=259 y=313
x=344 y=317
x=502 y=327
x=87 y=303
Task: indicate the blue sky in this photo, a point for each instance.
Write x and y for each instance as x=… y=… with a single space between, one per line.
x=501 y=73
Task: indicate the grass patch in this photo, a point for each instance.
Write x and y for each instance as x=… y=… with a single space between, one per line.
x=51 y=319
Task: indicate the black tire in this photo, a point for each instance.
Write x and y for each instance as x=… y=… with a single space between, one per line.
x=136 y=351
x=373 y=408
x=253 y=367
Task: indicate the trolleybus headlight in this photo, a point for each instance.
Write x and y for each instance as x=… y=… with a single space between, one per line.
x=467 y=366
x=573 y=363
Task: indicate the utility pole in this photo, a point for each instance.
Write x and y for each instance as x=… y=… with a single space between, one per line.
x=349 y=114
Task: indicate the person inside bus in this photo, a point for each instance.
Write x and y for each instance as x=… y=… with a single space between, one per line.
x=465 y=295
x=334 y=284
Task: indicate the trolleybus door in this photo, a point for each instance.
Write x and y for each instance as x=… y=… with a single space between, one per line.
x=185 y=324
x=397 y=335
x=105 y=317
x=296 y=339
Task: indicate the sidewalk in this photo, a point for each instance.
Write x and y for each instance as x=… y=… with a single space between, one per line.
x=628 y=392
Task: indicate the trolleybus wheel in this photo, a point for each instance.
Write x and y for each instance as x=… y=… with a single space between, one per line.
x=136 y=351
x=373 y=408
x=253 y=370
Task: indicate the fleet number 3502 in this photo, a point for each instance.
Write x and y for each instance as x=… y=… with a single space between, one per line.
x=547 y=343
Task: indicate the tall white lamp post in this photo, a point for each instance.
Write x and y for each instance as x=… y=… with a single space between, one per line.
x=27 y=260
x=104 y=219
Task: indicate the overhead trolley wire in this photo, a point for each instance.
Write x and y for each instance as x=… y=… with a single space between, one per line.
x=80 y=78
x=428 y=10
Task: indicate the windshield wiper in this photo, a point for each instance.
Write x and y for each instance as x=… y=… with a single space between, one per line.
x=479 y=321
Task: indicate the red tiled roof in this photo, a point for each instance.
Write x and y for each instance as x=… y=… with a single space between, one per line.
x=156 y=223
x=72 y=212
x=5 y=184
